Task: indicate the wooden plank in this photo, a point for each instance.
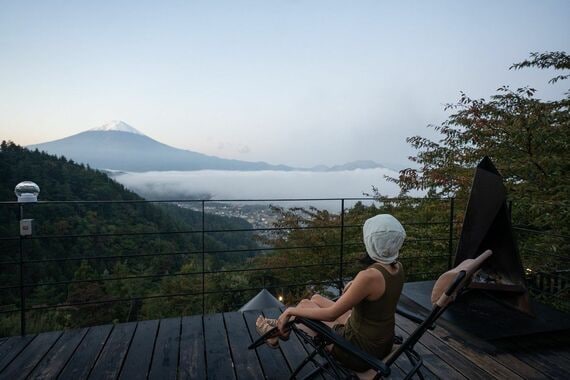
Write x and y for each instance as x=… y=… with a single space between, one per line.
x=466 y=341
x=503 y=357
x=433 y=362
x=272 y=361
x=309 y=349
x=12 y=347
x=293 y=350
x=554 y=347
x=54 y=361
x=85 y=356
x=404 y=366
x=472 y=348
x=218 y=356
x=139 y=355
x=192 y=357
x=452 y=356
x=519 y=366
x=538 y=364
x=25 y=362
x=165 y=359
x=246 y=363
x=523 y=369
x=542 y=359
x=109 y=363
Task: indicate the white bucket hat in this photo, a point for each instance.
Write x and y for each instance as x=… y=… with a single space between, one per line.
x=383 y=238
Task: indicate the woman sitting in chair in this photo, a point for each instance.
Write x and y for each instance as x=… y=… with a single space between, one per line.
x=364 y=314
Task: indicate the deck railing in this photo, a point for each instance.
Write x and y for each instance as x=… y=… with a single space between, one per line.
x=33 y=266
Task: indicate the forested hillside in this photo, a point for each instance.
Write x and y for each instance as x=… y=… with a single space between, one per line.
x=124 y=234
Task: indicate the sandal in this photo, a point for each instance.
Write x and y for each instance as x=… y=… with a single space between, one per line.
x=273 y=323
x=268 y=328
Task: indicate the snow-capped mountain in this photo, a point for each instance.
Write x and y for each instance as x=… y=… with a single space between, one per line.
x=118 y=146
x=117 y=125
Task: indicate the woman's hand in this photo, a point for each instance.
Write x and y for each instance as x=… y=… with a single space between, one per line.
x=283 y=319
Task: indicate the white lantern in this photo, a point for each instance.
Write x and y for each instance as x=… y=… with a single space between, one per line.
x=27 y=192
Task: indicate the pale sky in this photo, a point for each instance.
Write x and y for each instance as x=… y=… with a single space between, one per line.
x=290 y=81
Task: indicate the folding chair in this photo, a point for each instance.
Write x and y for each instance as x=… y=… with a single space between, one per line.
x=446 y=289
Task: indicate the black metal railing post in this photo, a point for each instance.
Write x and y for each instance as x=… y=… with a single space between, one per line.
x=203 y=252
x=21 y=265
x=450 y=242
x=340 y=282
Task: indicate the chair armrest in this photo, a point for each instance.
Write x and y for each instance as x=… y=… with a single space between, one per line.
x=326 y=332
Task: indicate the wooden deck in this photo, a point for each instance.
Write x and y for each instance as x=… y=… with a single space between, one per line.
x=215 y=347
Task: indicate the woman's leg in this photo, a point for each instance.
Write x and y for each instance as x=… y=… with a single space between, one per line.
x=322 y=301
x=310 y=304
x=305 y=303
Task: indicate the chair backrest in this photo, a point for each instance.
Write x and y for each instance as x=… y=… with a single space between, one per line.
x=445 y=290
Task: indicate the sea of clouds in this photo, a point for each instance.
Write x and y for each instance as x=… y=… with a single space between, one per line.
x=230 y=185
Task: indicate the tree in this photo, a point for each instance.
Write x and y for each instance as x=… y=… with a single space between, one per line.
x=90 y=314
x=527 y=138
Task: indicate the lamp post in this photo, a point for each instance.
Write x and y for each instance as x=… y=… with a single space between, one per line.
x=26 y=192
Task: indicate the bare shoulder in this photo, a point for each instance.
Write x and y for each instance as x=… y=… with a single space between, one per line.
x=375 y=281
x=370 y=275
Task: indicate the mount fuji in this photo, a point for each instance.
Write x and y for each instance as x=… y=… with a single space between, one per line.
x=118 y=146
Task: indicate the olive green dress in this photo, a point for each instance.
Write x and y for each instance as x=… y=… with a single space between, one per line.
x=371 y=324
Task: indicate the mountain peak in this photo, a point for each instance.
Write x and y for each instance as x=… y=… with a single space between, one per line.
x=117 y=125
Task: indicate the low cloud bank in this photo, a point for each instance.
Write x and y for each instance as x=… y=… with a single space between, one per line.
x=213 y=184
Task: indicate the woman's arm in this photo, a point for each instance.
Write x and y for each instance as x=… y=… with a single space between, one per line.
x=346 y=287
x=369 y=282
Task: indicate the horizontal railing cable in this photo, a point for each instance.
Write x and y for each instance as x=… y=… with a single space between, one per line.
x=67 y=282
x=432 y=240
x=539 y=232
x=247 y=200
x=195 y=252
x=146 y=276
x=229 y=290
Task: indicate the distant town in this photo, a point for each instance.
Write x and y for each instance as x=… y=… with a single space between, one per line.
x=259 y=216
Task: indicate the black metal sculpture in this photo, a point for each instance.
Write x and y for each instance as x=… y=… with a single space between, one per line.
x=487 y=225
